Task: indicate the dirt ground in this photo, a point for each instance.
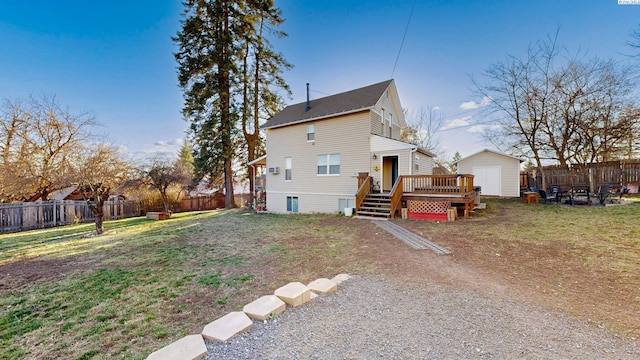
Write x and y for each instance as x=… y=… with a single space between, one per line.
x=550 y=275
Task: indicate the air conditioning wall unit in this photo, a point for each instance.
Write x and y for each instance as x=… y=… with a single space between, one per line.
x=274 y=170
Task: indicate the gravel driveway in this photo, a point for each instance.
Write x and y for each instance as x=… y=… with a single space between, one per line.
x=381 y=318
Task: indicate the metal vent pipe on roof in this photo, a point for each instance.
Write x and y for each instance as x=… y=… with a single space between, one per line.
x=308 y=103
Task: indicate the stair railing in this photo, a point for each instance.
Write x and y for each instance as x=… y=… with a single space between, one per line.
x=396 y=196
x=363 y=191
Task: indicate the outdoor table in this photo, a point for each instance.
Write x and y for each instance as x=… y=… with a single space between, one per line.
x=530 y=197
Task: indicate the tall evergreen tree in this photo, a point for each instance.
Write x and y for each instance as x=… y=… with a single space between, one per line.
x=221 y=42
x=207 y=64
x=262 y=73
x=185 y=159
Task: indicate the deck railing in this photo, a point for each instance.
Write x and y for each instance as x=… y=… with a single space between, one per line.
x=460 y=184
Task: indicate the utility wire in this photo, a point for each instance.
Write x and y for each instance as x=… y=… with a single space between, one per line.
x=403 y=37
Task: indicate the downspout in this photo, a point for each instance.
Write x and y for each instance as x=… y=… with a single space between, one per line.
x=253 y=191
x=413 y=151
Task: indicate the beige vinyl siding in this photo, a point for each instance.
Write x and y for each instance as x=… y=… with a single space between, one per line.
x=509 y=174
x=391 y=105
x=347 y=135
x=376 y=126
x=425 y=164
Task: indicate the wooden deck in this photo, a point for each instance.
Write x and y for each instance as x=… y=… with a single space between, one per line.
x=455 y=188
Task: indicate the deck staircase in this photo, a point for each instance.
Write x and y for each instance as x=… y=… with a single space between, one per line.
x=375 y=205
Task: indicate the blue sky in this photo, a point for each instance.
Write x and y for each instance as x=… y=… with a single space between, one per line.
x=113 y=59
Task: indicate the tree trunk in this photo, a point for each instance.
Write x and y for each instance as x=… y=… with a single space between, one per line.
x=99 y=221
x=98 y=213
x=226 y=123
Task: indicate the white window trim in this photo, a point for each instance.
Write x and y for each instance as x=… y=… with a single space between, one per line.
x=328 y=156
x=314 y=132
x=297 y=205
x=287 y=166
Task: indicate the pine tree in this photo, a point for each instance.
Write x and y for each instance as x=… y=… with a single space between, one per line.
x=207 y=66
x=220 y=44
x=262 y=68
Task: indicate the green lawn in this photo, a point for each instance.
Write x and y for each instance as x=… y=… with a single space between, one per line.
x=141 y=284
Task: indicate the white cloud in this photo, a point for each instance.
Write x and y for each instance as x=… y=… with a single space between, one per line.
x=169 y=143
x=455 y=123
x=482 y=128
x=161 y=149
x=470 y=105
x=477 y=128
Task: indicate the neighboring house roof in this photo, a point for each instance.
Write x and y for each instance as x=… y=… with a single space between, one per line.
x=64 y=193
x=262 y=160
x=490 y=151
x=347 y=102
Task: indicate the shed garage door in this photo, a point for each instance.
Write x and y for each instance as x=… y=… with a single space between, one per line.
x=489 y=178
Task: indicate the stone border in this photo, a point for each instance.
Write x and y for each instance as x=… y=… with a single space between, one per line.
x=192 y=347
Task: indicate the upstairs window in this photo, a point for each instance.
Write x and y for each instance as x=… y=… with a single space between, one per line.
x=311 y=132
x=329 y=164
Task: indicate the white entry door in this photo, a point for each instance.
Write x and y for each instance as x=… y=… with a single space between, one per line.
x=488 y=177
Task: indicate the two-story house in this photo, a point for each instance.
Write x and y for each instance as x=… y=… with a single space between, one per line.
x=317 y=149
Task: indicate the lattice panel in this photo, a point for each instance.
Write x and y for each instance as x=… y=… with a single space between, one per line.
x=438 y=207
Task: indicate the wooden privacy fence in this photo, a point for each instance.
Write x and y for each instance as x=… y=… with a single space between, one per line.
x=37 y=215
x=207 y=202
x=620 y=173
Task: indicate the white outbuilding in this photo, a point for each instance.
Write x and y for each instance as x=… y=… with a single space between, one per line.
x=498 y=174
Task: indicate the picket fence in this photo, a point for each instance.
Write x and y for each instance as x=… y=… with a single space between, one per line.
x=44 y=214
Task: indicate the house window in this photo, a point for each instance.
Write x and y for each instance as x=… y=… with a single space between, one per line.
x=390 y=119
x=311 y=132
x=329 y=164
x=346 y=203
x=292 y=204
x=287 y=169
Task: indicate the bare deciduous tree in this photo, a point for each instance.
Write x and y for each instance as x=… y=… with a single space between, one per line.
x=100 y=171
x=161 y=175
x=561 y=108
x=38 y=139
x=422 y=131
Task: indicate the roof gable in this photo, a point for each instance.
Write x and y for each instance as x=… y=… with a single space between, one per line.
x=347 y=102
x=492 y=152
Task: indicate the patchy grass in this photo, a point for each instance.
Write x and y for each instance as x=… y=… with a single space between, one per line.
x=581 y=259
x=67 y=294
x=144 y=283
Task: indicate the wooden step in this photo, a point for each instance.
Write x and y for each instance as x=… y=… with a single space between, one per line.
x=374 y=209
x=381 y=202
x=373 y=214
x=378 y=195
x=375 y=205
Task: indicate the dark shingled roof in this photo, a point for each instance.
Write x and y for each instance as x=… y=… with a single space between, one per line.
x=350 y=101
